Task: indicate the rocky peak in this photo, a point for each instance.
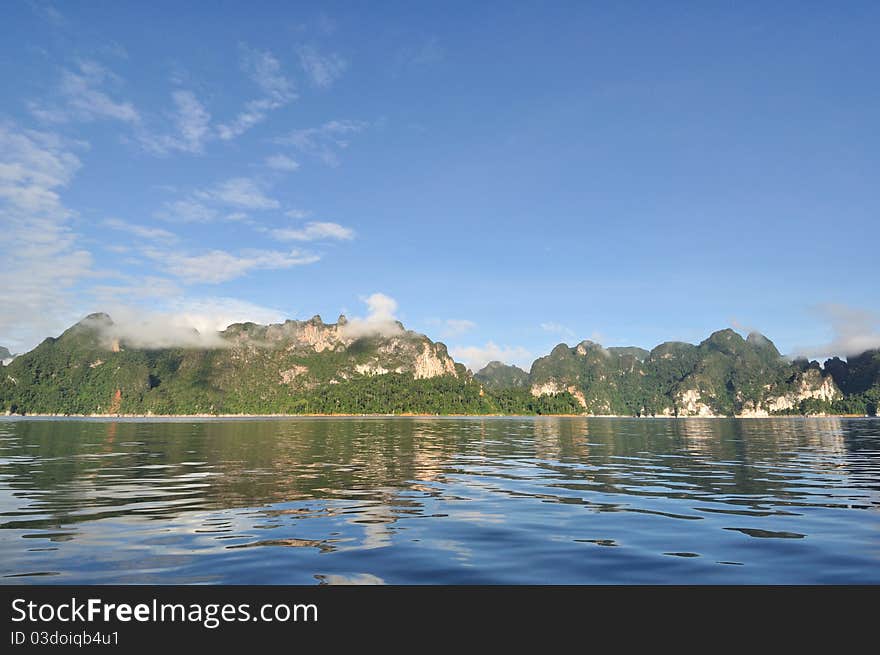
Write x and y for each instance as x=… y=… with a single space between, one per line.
x=758 y=340
x=96 y=319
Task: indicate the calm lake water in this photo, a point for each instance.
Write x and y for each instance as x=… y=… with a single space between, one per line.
x=440 y=501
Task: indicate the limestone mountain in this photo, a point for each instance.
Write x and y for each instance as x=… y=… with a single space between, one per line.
x=724 y=375
x=858 y=378
x=5 y=355
x=296 y=367
x=300 y=367
x=92 y=367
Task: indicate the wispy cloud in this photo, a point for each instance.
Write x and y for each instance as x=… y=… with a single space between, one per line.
x=854 y=331
x=48 y=12
x=324 y=141
x=314 y=231
x=192 y=127
x=476 y=357
x=322 y=69
x=83 y=90
x=281 y=163
x=218 y=266
x=187 y=211
x=129 y=288
x=241 y=192
x=265 y=71
x=42 y=258
x=140 y=231
x=225 y=200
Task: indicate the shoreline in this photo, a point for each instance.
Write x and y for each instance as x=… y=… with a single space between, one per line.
x=414 y=415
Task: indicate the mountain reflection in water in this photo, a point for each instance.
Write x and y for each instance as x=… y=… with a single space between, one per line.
x=445 y=501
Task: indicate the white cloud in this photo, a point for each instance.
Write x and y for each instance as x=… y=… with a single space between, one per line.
x=140 y=231
x=225 y=200
x=853 y=330
x=240 y=192
x=85 y=98
x=42 y=260
x=297 y=213
x=314 y=231
x=216 y=314
x=218 y=266
x=255 y=111
x=187 y=211
x=181 y=322
x=265 y=71
x=281 y=163
x=556 y=328
x=324 y=141
x=323 y=70
x=380 y=319
x=192 y=124
x=476 y=357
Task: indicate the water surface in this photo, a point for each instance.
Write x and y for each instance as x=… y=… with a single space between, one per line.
x=440 y=501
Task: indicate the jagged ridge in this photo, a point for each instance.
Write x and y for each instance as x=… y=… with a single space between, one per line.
x=315 y=367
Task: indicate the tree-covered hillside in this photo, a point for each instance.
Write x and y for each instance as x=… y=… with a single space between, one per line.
x=296 y=367
x=309 y=367
x=497 y=375
x=725 y=375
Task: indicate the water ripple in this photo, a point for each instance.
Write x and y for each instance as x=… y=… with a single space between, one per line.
x=417 y=500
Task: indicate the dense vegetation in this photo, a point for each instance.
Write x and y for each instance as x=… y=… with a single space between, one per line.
x=726 y=374
x=78 y=374
x=497 y=375
x=266 y=370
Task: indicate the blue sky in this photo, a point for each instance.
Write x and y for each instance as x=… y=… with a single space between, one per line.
x=512 y=175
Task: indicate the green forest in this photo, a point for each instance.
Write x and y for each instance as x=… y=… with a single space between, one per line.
x=726 y=375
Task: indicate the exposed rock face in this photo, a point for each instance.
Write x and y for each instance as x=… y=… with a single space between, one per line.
x=551 y=387
x=546 y=388
x=579 y=396
x=725 y=375
x=432 y=362
x=371 y=369
x=291 y=374
x=302 y=347
x=690 y=403
x=291 y=366
x=811 y=386
x=314 y=334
